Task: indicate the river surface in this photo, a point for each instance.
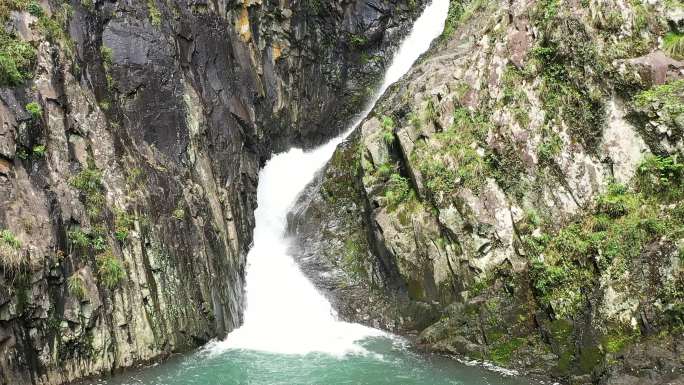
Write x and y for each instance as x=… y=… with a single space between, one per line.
x=291 y=335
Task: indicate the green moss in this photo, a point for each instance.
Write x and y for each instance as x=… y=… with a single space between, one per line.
x=616 y=342
x=502 y=352
x=354 y=257
x=589 y=358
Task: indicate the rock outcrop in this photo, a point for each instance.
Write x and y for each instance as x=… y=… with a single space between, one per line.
x=131 y=135
x=517 y=197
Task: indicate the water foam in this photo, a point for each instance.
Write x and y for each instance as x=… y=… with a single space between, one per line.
x=285 y=313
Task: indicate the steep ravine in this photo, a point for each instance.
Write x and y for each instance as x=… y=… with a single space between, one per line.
x=131 y=135
x=517 y=198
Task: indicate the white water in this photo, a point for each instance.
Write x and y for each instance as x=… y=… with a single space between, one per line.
x=285 y=314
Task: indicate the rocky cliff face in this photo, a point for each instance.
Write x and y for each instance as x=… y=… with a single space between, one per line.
x=131 y=134
x=517 y=197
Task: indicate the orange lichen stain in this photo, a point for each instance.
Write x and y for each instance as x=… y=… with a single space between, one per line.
x=277 y=52
x=242 y=26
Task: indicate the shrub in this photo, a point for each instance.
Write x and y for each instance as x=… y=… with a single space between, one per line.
x=89 y=182
x=673 y=44
x=34 y=9
x=85 y=239
x=34 y=109
x=387 y=125
x=397 y=190
x=16 y=60
x=78 y=238
x=39 y=150
x=122 y=225
x=155 y=15
x=76 y=286
x=669 y=96
x=110 y=270
x=662 y=175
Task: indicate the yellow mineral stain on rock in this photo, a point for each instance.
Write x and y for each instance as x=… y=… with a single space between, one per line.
x=277 y=52
x=242 y=26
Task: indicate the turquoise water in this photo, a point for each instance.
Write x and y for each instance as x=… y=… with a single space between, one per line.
x=387 y=363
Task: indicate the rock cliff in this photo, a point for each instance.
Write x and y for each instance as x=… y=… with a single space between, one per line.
x=517 y=197
x=131 y=135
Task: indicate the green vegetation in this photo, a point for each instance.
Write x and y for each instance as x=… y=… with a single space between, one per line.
x=668 y=97
x=453 y=160
x=673 y=44
x=570 y=67
x=89 y=182
x=502 y=352
x=34 y=109
x=39 y=150
x=11 y=257
x=623 y=223
x=387 y=125
x=34 y=9
x=155 y=14
x=123 y=224
x=110 y=270
x=16 y=60
x=397 y=190
x=353 y=260
x=459 y=12
x=87 y=4
x=76 y=286
x=95 y=239
x=358 y=41
x=178 y=214
x=107 y=55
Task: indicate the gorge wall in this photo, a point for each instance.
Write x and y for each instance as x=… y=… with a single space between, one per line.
x=517 y=197
x=131 y=135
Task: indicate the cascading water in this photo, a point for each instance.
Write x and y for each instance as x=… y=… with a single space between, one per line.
x=290 y=334
x=285 y=313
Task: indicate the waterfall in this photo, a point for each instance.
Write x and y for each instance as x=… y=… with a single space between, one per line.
x=285 y=313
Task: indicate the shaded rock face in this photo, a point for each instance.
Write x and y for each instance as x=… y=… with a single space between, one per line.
x=494 y=203
x=129 y=162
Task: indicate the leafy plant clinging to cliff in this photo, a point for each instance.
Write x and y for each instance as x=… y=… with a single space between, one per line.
x=16 y=59
x=10 y=250
x=110 y=270
x=89 y=182
x=76 y=286
x=673 y=44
